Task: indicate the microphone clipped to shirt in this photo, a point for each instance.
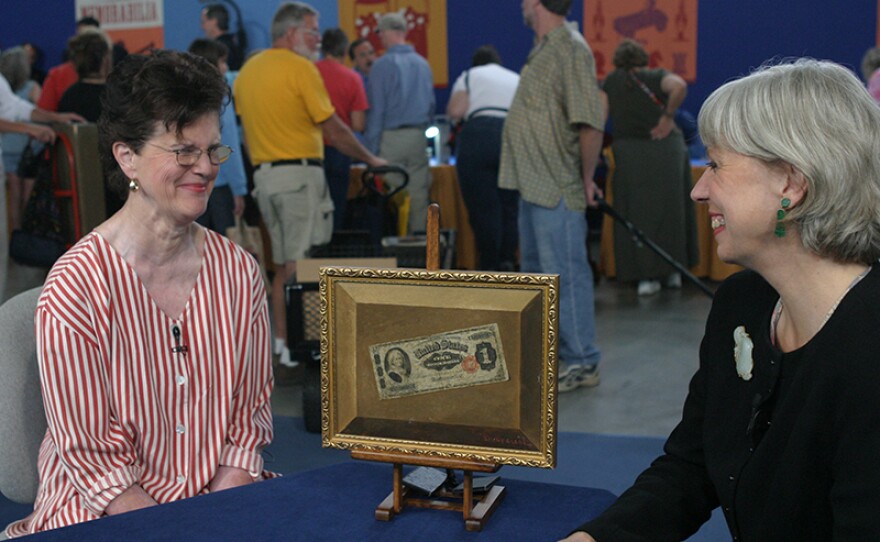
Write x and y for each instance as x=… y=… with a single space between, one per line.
x=178 y=348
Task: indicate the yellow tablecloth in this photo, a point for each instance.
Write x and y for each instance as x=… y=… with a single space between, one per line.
x=453 y=213
x=709 y=266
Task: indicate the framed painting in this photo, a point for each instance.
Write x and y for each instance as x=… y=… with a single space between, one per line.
x=444 y=365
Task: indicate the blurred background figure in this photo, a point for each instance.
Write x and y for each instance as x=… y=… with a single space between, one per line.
x=15 y=66
x=480 y=98
x=19 y=115
x=90 y=53
x=652 y=176
x=687 y=123
x=215 y=24
x=62 y=76
x=401 y=96
x=227 y=199
x=35 y=56
x=349 y=98
x=871 y=71
x=362 y=56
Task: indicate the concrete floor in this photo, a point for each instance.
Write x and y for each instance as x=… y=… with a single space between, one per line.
x=649 y=353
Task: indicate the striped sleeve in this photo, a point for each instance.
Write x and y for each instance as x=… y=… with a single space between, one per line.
x=251 y=426
x=98 y=459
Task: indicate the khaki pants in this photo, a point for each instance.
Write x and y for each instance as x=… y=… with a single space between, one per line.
x=406 y=147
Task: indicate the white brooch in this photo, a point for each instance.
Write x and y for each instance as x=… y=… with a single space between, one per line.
x=742 y=353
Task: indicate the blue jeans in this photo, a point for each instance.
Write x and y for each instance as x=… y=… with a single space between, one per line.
x=555 y=241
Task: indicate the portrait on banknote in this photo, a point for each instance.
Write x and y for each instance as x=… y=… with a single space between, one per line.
x=444 y=363
x=454 y=359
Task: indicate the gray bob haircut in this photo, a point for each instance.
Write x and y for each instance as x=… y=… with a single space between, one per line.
x=290 y=14
x=817 y=117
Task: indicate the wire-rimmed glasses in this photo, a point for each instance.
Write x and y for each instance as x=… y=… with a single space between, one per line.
x=188 y=156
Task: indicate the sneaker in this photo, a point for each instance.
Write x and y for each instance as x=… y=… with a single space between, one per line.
x=576 y=376
x=278 y=345
x=648 y=287
x=285 y=360
x=674 y=281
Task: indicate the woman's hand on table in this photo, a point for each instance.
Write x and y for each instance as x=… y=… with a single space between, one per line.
x=229 y=477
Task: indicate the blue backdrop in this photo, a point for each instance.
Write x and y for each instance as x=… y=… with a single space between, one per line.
x=734 y=37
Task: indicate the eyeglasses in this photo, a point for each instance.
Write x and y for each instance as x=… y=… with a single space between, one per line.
x=188 y=156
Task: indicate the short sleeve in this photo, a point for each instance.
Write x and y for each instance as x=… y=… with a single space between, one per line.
x=315 y=96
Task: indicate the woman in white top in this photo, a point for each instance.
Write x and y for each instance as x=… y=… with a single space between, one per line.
x=480 y=98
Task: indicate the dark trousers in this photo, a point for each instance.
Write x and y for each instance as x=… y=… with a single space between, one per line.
x=337 y=168
x=492 y=210
x=219 y=215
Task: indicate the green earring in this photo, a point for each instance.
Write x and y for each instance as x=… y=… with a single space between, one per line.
x=780 y=216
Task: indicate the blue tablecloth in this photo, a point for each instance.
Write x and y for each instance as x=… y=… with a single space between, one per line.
x=337 y=503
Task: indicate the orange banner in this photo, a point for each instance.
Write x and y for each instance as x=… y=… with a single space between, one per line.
x=666 y=28
x=136 y=24
x=426 y=20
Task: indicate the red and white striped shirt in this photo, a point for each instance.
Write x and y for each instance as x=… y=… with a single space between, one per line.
x=123 y=405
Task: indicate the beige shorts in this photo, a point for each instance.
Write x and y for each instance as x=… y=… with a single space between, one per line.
x=296 y=207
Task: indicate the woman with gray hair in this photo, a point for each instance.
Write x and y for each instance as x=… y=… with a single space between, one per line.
x=781 y=426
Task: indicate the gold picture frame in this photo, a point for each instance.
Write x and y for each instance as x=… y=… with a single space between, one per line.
x=510 y=421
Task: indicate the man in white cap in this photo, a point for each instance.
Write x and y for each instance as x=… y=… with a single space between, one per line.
x=401 y=96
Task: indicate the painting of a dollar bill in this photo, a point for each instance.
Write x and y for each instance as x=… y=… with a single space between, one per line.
x=455 y=359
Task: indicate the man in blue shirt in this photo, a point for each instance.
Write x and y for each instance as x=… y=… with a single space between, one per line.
x=401 y=96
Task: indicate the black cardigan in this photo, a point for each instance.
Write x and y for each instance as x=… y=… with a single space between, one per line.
x=792 y=454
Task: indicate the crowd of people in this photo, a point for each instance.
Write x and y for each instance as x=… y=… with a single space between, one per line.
x=132 y=319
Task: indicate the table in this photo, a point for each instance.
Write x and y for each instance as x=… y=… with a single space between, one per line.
x=709 y=265
x=337 y=503
x=453 y=212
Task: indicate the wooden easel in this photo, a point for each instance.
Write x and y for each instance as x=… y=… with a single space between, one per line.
x=476 y=512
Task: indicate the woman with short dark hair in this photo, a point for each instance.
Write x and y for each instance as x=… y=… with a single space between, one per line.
x=152 y=331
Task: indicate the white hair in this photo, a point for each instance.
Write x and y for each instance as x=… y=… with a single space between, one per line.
x=817 y=117
x=290 y=14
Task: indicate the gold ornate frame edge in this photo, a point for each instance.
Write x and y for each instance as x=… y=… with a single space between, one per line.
x=545 y=457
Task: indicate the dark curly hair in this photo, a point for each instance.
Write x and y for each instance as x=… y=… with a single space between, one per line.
x=334 y=42
x=630 y=54
x=169 y=88
x=88 y=52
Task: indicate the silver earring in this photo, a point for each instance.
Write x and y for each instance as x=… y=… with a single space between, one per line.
x=133 y=185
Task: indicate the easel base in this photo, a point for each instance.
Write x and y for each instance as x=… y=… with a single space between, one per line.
x=473 y=521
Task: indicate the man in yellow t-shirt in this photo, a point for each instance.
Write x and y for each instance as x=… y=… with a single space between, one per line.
x=285 y=113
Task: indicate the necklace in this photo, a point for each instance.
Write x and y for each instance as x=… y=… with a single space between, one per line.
x=777 y=311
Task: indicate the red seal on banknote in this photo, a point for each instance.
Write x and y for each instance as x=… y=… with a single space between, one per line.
x=470 y=364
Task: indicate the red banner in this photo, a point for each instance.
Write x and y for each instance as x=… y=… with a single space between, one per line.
x=426 y=23
x=666 y=28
